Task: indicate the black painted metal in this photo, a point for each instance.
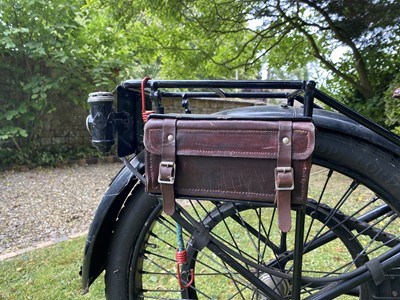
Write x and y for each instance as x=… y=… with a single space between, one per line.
x=101 y=228
x=309 y=99
x=213 y=84
x=357 y=117
x=243 y=95
x=342 y=287
x=128 y=103
x=296 y=86
x=99 y=122
x=219 y=249
x=298 y=253
x=257 y=91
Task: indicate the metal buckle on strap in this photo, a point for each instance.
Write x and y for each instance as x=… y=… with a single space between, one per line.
x=170 y=179
x=284 y=170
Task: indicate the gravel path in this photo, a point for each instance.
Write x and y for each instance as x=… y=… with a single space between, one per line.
x=46 y=204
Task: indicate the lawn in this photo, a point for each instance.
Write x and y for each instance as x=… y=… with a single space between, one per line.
x=49 y=273
x=52 y=273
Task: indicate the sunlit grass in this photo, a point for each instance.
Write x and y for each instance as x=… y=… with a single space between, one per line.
x=49 y=273
x=52 y=273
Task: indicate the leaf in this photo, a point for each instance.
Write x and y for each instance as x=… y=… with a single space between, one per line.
x=64 y=59
x=36 y=90
x=23 y=133
x=12 y=131
x=9 y=44
x=23 y=108
x=9 y=115
x=27 y=86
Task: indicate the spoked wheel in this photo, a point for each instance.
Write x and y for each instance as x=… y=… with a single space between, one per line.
x=254 y=237
x=347 y=224
x=252 y=234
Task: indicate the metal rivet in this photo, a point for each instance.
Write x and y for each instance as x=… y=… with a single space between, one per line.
x=286 y=140
x=170 y=138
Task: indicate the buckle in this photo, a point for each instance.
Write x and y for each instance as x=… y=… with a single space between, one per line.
x=284 y=170
x=170 y=179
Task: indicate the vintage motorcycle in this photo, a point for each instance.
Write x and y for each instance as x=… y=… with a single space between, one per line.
x=262 y=202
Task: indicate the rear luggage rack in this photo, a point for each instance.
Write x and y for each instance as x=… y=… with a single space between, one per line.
x=130 y=115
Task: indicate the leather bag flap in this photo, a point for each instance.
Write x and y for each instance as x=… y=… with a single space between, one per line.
x=230 y=138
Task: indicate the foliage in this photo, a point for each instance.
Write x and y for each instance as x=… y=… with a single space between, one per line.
x=210 y=38
x=60 y=51
x=184 y=49
x=52 y=52
x=52 y=157
x=392 y=105
x=35 y=63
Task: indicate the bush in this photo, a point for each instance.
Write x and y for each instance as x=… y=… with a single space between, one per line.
x=10 y=158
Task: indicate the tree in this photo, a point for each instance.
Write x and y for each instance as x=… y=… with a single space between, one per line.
x=39 y=65
x=210 y=36
x=52 y=51
x=392 y=105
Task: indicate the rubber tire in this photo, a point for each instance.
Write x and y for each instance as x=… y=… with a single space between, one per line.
x=375 y=168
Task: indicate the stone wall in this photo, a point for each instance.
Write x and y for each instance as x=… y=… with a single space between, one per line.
x=66 y=128
x=206 y=105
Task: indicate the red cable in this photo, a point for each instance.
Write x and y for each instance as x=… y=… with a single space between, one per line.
x=181 y=258
x=145 y=113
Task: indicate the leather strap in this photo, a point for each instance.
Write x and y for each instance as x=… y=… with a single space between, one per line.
x=166 y=176
x=284 y=177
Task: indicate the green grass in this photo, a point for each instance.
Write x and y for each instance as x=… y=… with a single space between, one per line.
x=52 y=273
x=49 y=273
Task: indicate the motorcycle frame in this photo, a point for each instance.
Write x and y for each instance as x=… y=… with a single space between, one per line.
x=302 y=91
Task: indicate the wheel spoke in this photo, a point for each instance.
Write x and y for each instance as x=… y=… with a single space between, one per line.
x=250 y=237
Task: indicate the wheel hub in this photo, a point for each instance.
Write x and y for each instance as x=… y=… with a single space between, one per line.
x=278 y=285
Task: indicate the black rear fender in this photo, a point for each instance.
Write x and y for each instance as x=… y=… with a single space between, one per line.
x=103 y=223
x=323 y=119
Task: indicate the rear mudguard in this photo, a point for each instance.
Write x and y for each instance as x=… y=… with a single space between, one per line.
x=102 y=226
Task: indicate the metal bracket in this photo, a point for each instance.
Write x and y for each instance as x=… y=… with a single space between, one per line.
x=185 y=104
x=164 y=166
x=284 y=170
x=200 y=238
x=375 y=268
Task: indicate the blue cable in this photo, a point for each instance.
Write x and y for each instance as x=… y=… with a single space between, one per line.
x=179 y=238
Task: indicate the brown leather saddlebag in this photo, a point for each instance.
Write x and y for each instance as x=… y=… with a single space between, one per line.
x=233 y=159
